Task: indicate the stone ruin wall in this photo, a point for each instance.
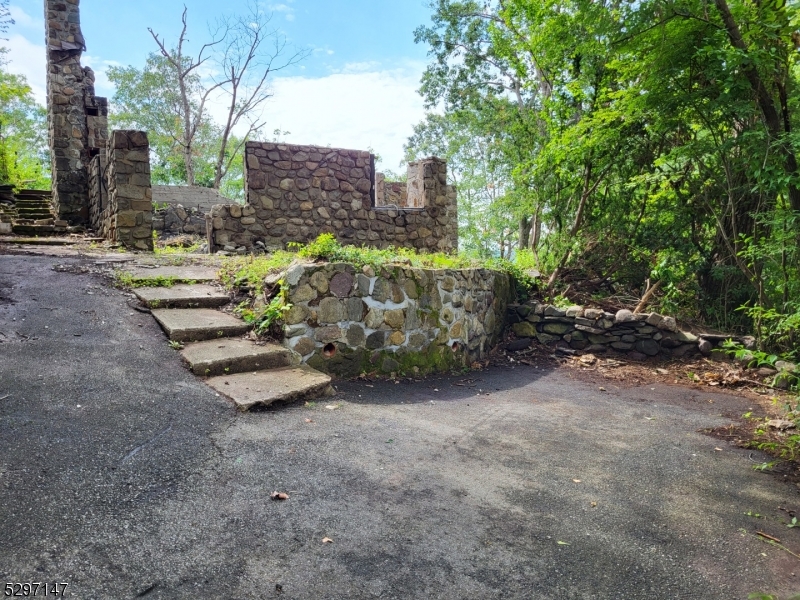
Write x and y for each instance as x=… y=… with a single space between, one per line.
x=121 y=200
x=347 y=321
x=180 y=209
x=77 y=119
x=98 y=192
x=295 y=193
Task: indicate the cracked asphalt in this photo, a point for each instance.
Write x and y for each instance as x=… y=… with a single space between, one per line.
x=123 y=475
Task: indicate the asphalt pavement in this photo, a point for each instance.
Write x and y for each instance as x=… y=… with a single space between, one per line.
x=124 y=476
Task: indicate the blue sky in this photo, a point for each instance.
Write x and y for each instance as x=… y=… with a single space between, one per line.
x=357 y=88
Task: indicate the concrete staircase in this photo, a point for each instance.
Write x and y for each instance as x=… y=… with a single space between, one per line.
x=249 y=373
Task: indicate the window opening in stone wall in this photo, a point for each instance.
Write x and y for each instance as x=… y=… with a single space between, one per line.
x=92 y=112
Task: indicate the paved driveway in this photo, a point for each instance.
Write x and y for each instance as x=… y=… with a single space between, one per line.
x=125 y=476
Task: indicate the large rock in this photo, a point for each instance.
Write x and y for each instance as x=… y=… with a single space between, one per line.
x=341 y=284
x=668 y=324
x=557 y=328
x=648 y=347
x=624 y=316
x=524 y=329
x=552 y=311
x=394 y=318
x=303 y=293
x=331 y=310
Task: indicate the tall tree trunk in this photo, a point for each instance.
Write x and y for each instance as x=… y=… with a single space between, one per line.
x=536 y=228
x=524 y=232
x=772 y=118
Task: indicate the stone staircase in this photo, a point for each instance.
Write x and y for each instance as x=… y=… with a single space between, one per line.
x=34 y=214
x=29 y=213
x=249 y=373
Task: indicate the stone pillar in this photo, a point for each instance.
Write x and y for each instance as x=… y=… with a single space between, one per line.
x=129 y=216
x=427 y=188
x=77 y=119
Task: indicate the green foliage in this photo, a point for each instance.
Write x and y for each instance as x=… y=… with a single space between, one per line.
x=24 y=156
x=251 y=271
x=326 y=247
x=628 y=142
x=783 y=445
x=126 y=280
x=267 y=318
x=149 y=99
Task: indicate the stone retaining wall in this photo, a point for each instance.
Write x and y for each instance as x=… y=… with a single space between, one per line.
x=295 y=193
x=638 y=335
x=347 y=321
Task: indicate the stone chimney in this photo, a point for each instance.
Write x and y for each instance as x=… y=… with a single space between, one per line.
x=77 y=119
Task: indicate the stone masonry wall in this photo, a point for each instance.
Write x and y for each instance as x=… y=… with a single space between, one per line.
x=178 y=219
x=390 y=193
x=295 y=193
x=77 y=119
x=347 y=321
x=189 y=197
x=128 y=218
x=637 y=335
x=98 y=192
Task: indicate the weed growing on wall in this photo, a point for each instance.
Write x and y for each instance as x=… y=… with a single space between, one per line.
x=267 y=319
x=265 y=307
x=326 y=247
x=251 y=271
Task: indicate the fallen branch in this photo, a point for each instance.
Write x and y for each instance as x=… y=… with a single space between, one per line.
x=651 y=289
x=771 y=541
x=769 y=537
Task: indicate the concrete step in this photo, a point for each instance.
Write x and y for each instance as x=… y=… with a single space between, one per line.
x=33 y=229
x=178 y=273
x=32 y=202
x=263 y=388
x=198 y=324
x=34 y=215
x=183 y=296
x=47 y=241
x=229 y=356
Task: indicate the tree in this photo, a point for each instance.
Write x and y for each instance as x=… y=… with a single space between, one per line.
x=645 y=141
x=476 y=168
x=5 y=16
x=24 y=157
x=241 y=59
x=149 y=99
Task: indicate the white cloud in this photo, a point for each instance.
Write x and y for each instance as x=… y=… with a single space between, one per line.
x=102 y=85
x=361 y=67
x=362 y=106
x=23 y=19
x=287 y=10
x=28 y=59
x=357 y=110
